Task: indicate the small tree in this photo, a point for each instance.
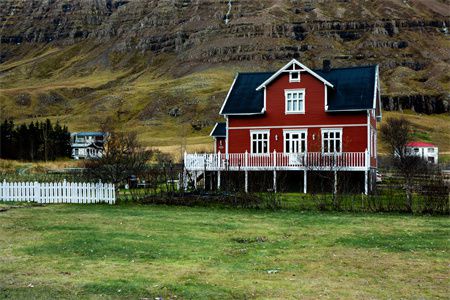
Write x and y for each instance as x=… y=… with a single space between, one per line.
x=122 y=157
x=396 y=133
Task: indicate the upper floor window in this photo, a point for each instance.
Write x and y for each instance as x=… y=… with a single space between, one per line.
x=295 y=101
x=430 y=150
x=331 y=140
x=259 y=141
x=294 y=76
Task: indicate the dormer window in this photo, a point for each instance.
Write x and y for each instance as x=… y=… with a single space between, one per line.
x=294 y=101
x=294 y=77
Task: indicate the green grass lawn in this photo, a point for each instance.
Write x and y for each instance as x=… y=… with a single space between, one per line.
x=93 y=251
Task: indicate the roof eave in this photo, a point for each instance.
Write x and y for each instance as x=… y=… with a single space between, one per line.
x=242 y=114
x=347 y=109
x=214 y=128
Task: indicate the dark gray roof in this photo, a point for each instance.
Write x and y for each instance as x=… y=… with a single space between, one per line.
x=219 y=130
x=243 y=98
x=353 y=90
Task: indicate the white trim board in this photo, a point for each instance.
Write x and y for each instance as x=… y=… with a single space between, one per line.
x=287 y=127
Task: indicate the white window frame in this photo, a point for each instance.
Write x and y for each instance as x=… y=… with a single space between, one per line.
x=252 y=132
x=330 y=130
x=291 y=79
x=295 y=131
x=292 y=91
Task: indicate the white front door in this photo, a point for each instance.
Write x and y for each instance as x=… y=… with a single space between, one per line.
x=295 y=145
x=294 y=141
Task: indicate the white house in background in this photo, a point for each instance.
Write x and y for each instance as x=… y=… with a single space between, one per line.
x=87 y=145
x=427 y=151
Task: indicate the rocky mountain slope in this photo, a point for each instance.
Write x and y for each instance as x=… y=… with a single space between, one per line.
x=163 y=67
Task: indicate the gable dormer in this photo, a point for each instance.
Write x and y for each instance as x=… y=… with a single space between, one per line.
x=295 y=70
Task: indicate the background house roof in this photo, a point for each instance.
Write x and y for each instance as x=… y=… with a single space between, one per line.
x=354 y=89
x=219 y=130
x=92 y=133
x=420 y=144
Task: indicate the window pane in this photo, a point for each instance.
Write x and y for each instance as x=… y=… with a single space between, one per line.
x=303 y=146
x=338 y=146
x=254 y=147
x=325 y=135
x=287 y=146
x=294 y=106
x=325 y=146
x=331 y=135
x=331 y=146
x=265 y=147
x=300 y=106
x=338 y=134
x=289 y=107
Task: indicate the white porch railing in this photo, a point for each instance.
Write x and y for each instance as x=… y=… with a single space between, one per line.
x=58 y=192
x=277 y=161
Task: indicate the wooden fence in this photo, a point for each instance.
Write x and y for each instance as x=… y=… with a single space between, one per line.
x=58 y=192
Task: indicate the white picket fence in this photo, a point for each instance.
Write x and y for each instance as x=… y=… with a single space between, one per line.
x=58 y=192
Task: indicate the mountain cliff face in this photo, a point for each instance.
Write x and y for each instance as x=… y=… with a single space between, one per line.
x=168 y=63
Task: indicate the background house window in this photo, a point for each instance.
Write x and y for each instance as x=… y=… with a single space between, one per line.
x=259 y=142
x=430 y=150
x=295 y=101
x=331 y=140
x=294 y=77
x=294 y=141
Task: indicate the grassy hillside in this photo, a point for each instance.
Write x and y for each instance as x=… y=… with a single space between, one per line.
x=140 y=98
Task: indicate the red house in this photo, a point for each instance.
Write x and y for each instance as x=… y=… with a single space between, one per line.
x=297 y=119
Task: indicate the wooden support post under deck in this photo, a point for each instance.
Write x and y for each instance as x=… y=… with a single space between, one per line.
x=275 y=181
x=211 y=181
x=335 y=183
x=366 y=182
x=305 y=182
x=218 y=180
x=366 y=173
x=275 y=171
x=246 y=181
x=246 y=171
x=195 y=179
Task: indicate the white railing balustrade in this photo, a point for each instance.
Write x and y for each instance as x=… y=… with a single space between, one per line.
x=57 y=192
x=274 y=160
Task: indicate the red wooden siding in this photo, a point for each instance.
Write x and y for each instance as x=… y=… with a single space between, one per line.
x=354 y=137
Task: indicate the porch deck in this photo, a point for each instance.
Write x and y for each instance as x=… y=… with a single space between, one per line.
x=317 y=161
